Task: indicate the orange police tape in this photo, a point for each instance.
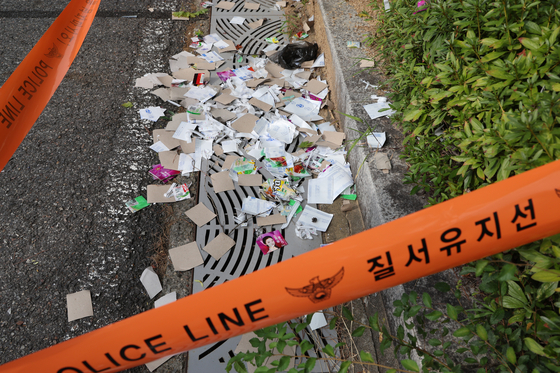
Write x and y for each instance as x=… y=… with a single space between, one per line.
x=30 y=87
x=510 y=213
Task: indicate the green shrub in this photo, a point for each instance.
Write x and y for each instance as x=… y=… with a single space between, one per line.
x=476 y=89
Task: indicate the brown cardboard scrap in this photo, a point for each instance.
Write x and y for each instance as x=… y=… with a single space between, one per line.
x=186 y=257
x=307 y=64
x=156 y=194
x=274 y=69
x=222 y=181
x=270 y=53
x=252 y=6
x=245 y=124
x=229 y=161
x=188 y=147
x=223 y=114
x=176 y=121
x=256 y=24
x=195 y=60
x=79 y=305
x=177 y=93
x=281 y=4
x=227 y=5
x=367 y=63
x=314 y=86
x=312 y=139
x=200 y=214
x=166 y=80
x=382 y=162
x=218 y=150
x=219 y=246
x=260 y=104
x=205 y=66
x=306 y=27
x=169 y=160
x=225 y=98
x=254 y=82
x=334 y=137
x=162 y=93
x=304 y=75
x=271 y=220
x=229 y=48
x=250 y=180
x=144 y=82
x=166 y=137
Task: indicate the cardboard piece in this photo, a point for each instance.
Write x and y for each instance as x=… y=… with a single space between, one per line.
x=156 y=194
x=166 y=137
x=177 y=93
x=382 y=162
x=314 y=86
x=281 y=4
x=186 y=257
x=166 y=80
x=151 y=283
x=229 y=48
x=260 y=104
x=367 y=63
x=307 y=64
x=271 y=220
x=223 y=114
x=251 y=6
x=225 y=99
x=229 y=161
x=227 y=5
x=176 y=121
x=79 y=305
x=222 y=181
x=169 y=160
x=254 y=25
x=249 y=180
x=304 y=75
x=188 y=147
x=218 y=150
x=254 y=82
x=195 y=60
x=219 y=246
x=335 y=138
x=206 y=66
x=306 y=27
x=162 y=93
x=200 y=214
x=245 y=124
x=274 y=70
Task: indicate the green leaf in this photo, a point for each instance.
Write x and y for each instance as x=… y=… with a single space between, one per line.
x=427 y=300
x=434 y=342
x=480 y=265
x=497 y=316
x=344 y=366
x=412 y=115
x=374 y=321
x=529 y=43
x=508 y=272
x=554 y=35
x=442 y=286
x=481 y=332
x=359 y=331
x=262 y=369
x=280 y=346
x=366 y=356
x=515 y=291
x=127 y=104
x=451 y=312
x=510 y=355
x=347 y=314
x=534 y=347
x=310 y=364
x=546 y=290
x=305 y=345
x=239 y=367
x=547 y=275
x=462 y=332
x=391 y=371
x=410 y=365
x=433 y=316
x=328 y=349
x=284 y=363
x=492 y=56
x=332 y=323
x=533 y=28
x=499 y=73
x=511 y=302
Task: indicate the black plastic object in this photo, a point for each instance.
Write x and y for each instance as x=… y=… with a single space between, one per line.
x=293 y=55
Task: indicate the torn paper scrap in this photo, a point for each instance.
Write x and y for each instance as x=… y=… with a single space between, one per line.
x=186 y=257
x=318 y=321
x=152 y=113
x=79 y=305
x=376 y=140
x=219 y=246
x=373 y=109
x=307 y=110
x=314 y=218
x=222 y=182
x=320 y=191
x=257 y=206
x=137 y=204
x=200 y=214
x=159 y=147
x=320 y=61
x=166 y=299
x=151 y=283
x=153 y=365
x=367 y=63
x=382 y=162
x=237 y=20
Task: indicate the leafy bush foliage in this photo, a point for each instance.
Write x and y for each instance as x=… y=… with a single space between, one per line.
x=476 y=88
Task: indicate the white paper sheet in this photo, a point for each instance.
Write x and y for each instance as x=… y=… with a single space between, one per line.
x=376 y=140
x=152 y=113
x=237 y=20
x=159 y=147
x=184 y=131
x=257 y=206
x=151 y=283
x=305 y=109
x=311 y=217
x=166 y=299
x=320 y=191
x=318 y=321
x=229 y=146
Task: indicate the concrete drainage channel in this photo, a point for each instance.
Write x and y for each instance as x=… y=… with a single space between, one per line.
x=245 y=257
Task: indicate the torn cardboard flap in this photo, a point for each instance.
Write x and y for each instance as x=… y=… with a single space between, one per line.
x=274 y=70
x=219 y=246
x=227 y=5
x=186 y=257
x=334 y=137
x=176 y=121
x=250 y=180
x=367 y=63
x=195 y=60
x=314 y=86
x=218 y=150
x=271 y=220
x=222 y=181
x=382 y=162
x=245 y=124
x=169 y=160
x=260 y=104
x=230 y=47
x=166 y=137
x=200 y=214
x=156 y=194
x=223 y=114
x=188 y=147
x=79 y=305
x=225 y=99
x=254 y=82
x=229 y=161
x=254 y=25
x=162 y=93
x=165 y=80
x=252 y=6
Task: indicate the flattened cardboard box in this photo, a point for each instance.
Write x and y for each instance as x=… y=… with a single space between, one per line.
x=188 y=147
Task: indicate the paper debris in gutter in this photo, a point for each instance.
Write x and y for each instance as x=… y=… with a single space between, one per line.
x=382 y=162
x=219 y=246
x=227 y=5
x=79 y=305
x=318 y=321
x=376 y=140
x=373 y=110
x=152 y=113
x=151 y=283
x=200 y=214
x=314 y=218
x=186 y=257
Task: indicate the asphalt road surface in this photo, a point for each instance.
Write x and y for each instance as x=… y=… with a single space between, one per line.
x=63 y=223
